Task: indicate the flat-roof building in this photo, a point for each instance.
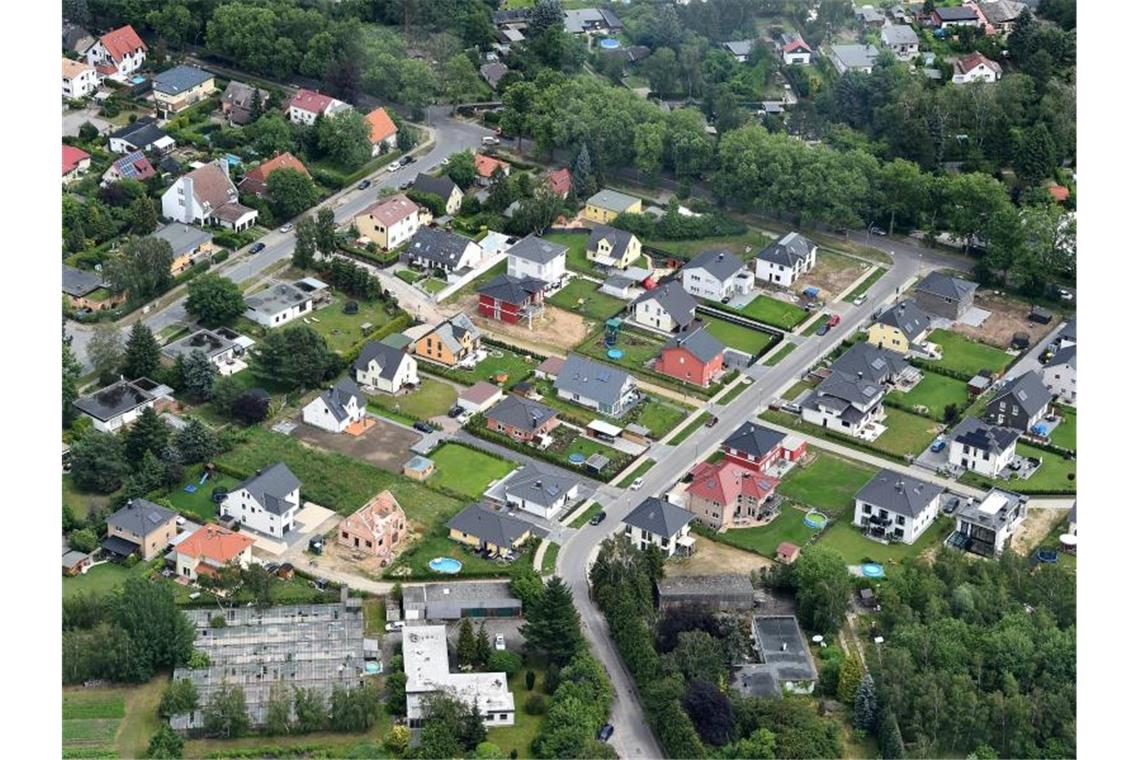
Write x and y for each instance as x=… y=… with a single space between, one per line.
x=452 y=601
x=428 y=672
x=785 y=664
x=726 y=591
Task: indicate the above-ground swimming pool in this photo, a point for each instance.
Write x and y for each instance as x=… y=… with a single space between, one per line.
x=615 y=353
x=577 y=458
x=446 y=565
x=872 y=570
x=138 y=79
x=372 y=667
x=815 y=520
x=609 y=43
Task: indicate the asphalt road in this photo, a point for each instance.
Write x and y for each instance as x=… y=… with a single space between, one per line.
x=451 y=136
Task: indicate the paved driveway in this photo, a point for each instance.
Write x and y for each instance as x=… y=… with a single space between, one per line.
x=73 y=120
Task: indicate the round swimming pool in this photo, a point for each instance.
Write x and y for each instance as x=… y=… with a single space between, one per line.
x=815 y=520
x=577 y=458
x=446 y=565
x=615 y=353
x=609 y=43
x=371 y=667
x=872 y=570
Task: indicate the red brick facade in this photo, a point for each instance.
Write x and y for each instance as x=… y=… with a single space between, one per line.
x=680 y=363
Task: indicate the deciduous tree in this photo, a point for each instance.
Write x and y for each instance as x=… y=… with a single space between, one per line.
x=214 y=300
x=290 y=192
x=105 y=352
x=224 y=715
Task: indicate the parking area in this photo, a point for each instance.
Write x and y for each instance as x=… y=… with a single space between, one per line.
x=384 y=444
x=73 y=120
x=312 y=520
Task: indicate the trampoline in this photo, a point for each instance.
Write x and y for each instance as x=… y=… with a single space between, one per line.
x=446 y=565
x=190 y=488
x=815 y=520
x=609 y=43
x=615 y=353
x=872 y=570
x=577 y=458
x=1048 y=556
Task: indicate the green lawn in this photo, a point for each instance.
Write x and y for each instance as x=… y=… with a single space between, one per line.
x=549 y=559
x=640 y=470
x=104 y=578
x=433 y=285
x=81 y=502
x=789 y=526
x=594 y=304
x=864 y=286
x=1065 y=434
x=778 y=356
x=499 y=361
x=111 y=722
x=518 y=738
x=576 y=250
x=814 y=325
x=199 y=505
x=736 y=390
x=829 y=483
x=906 y=433
x=965 y=355
x=737 y=336
x=638 y=347
x=770 y=311
x=409 y=276
x=466 y=470
x=435 y=543
x=342 y=331
x=846 y=539
x=745 y=245
x=935 y=392
x=691 y=428
x=795 y=390
x=587 y=447
x=1052 y=476
x=660 y=416
x=584 y=518
x=431 y=399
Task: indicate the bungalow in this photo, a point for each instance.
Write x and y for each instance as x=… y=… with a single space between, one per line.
x=740 y=49
x=607 y=389
x=378 y=528
x=585 y=20
x=541 y=259
x=559 y=181
x=266 y=502
x=188 y=245
x=206 y=195
x=178 y=88
x=941 y=295
x=845 y=403
x=218 y=348
x=896 y=507
x=384 y=367
x=1060 y=375
x=497 y=533
x=858 y=58
x=382 y=131
x=717 y=275
x=612 y=247
x=76 y=162
x=79 y=79
x=521 y=419
x=479 y=397
x=549 y=368
x=439 y=250
x=118 y=53
x=870 y=16
x=655 y=522
x=985 y=527
x=442 y=186
x=981 y=448
x=304 y=107
x=238 y=103
x=540 y=490
x=785 y=260
x=120 y=404
x=1000 y=16
x=487 y=167
x=606 y=204
x=337 y=409
x=75 y=38
x=756 y=448
x=668 y=308
x=794 y=50
x=975 y=67
x=256 y=180
x=278 y=304
x=693 y=355
x=950 y=17
x=867 y=362
x=900 y=40
x=723 y=494
x=143 y=135
x=899 y=328
x=389 y=222
x=451 y=342
x=512 y=299
x=134 y=166
x=209 y=549
x=75 y=562
x=87 y=290
x=141 y=526
x=1020 y=404
x=493 y=72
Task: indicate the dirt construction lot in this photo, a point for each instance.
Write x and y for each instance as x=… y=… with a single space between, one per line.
x=1038 y=524
x=384 y=445
x=833 y=273
x=556 y=329
x=713 y=557
x=1007 y=316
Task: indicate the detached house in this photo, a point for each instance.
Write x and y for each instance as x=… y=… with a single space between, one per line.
x=858 y=58
x=437 y=249
x=452 y=342
x=338 y=408
x=278 y=304
x=785 y=260
x=486 y=168
x=390 y=221
x=981 y=448
x=847 y=404
x=497 y=533
x=867 y=362
x=605 y=204
x=442 y=186
x=384 y=367
x=256 y=180
x=739 y=49
x=207 y=196
x=1060 y=375
x=612 y=247
x=941 y=295
x=512 y=299
x=1020 y=404
x=950 y=17
x=559 y=181
x=266 y=502
x=1000 y=16
x=976 y=68
x=534 y=257
x=76 y=162
x=656 y=522
x=693 y=355
x=521 y=419
x=717 y=275
x=178 y=88
x=667 y=308
x=79 y=79
x=118 y=53
x=540 y=490
x=985 y=527
x=724 y=493
x=901 y=40
x=757 y=448
x=134 y=166
x=120 y=403
x=143 y=135
x=900 y=328
x=209 y=549
x=238 y=102
x=217 y=347
x=188 y=245
x=606 y=389
x=378 y=528
x=896 y=507
x=88 y=290
x=304 y=107
x=141 y=526
x=381 y=131
x=794 y=51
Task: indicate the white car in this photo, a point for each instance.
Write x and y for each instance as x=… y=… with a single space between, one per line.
x=286 y=227
x=500 y=642
x=859 y=300
x=394 y=166
x=489 y=140
x=1066 y=295
x=397 y=625
x=637 y=484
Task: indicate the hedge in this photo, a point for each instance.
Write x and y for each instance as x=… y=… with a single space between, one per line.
x=938 y=369
x=402 y=322
x=476 y=428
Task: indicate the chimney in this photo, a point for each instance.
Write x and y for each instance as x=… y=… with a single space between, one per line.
x=860 y=374
x=784 y=647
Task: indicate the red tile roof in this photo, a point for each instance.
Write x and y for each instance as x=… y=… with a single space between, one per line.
x=214 y=542
x=973 y=60
x=796 y=44
x=121 y=41
x=1060 y=193
x=72 y=156
x=257 y=177
x=725 y=482
x=392 y=209
x=559 y=181
x=485 y=166
x=381 y=125
x=308 y=100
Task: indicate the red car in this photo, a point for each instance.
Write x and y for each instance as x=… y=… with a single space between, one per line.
x=833 y=320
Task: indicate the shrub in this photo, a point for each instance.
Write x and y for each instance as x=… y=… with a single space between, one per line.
x=535 y=705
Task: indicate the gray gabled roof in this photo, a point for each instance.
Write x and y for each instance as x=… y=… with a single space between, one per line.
x=870 y=363
x=908 y=317
x=1066 y=356
x=899 y=34
x=753 y=439
x=977 y=434
x=438 y=246
x=514 y=290
x=270 y=487
x=619 y=240
x=387 y=357
x=180 y=79
x=183 y=238
x=788 y=251
x=141 y=134
x=452 y=330
x=697 y=341
x=519 y=413
x=80 y=282
x=945 y=286
x=540 y=484
x=723 y=265
x=659 y=517
x=1069 y=331
x=537 y=250
x=337 y=397
x=899 y=493
x=956 y=13
x=590 y=379
x=677 y=302
x=850 y=388
x=740 y=47
x=493 y=72
x=496 y=528
x=1027 y=391
x=140 y=517
x=441 y=186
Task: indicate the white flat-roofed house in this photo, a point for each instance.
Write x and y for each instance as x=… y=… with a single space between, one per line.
x=266 y=502
x=278 y=304
x=428 y=672
x=896 y=507
x=985 y=526
x=120 y=403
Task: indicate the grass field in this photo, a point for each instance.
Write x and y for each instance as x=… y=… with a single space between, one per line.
x=81 y=502
x=576 y=250
x=518 y=738
x=659 y=416
x=499 y=360
x=770 y=311
x=433 y=285
x=789 y=526
x=111 y=722
x=584 y=518
x=199 y=504
x=640 y=470
x=843 y=537
x=935 y=392
x=745 y=246
x=964 y=355
x=409 y=276
x=691 y=428
x=735 y=391
x=637 y=346
x=794 y=390
x=549 y=559
x=595 y=305
x=1065 y=434
x=814 y=325
x=104 y=578
x=1051 y=476
x=465 y=470
x=864 y=286
x=906 y=433
x=431 y=399
x=737 y=336
x=829 y=483
x=341 y=331
x=778 y=356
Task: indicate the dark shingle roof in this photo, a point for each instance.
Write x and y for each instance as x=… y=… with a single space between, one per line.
x=618 y=239
x=540 y=484
x=141 y=134
x=677 y=302
x=438 y=246
x=387 y=358
x=80 y=282
x=875 y=364
x=945 y=286
x=911 y=320
x=697 y=341
x=338 y=396
x=1067 y=355
x=180 y=79
x=977 y=434
x=1027 y=391
x=496 y=528
x=755 y=440
x=537 y=250
x=140 y=517
x=441 y=186
x=788 y=250
x=956 y=13
x=113 y=400
x=270 y=487
x=599 y=382
x=720 y=264
x=520 y=413
x=512 y=289
x=899 y=493
x=659 y=517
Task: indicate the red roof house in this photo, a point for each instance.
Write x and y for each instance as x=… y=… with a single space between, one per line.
x=75 y=161
x=559 y=182
x=382 y=130
x=1060 y=193
x=485 y=168
x=209 y=548
x=725 y=494
x=119 y=51
x=256 y=179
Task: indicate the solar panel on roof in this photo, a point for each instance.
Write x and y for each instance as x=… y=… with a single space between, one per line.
x=868 y=392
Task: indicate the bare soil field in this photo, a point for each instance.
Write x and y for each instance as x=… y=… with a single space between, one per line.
x=1007 y=316
x=713 y=557
x=556 y=329
x=1037 y=525
x=384 y=445
x=833 y=274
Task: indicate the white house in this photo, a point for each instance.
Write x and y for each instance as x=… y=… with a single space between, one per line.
x=209 y=549
x=656 y=522
x=847 y=404
x=596 y=386
x=1060 y=374
x=337 y=408
x=540 y=490
x=668 y=308
x=267 y=502
x=784 y=261
x=120 y=404
x=896 y=507
x=794 y=50
x=385 y=368
x=382 y=131
x=985 y=527
x=79 y=79
x=901 y=40
x=434 y=248
x=278 y=304
x=207 y=196
x=427 y=670
x=717 y=275
x=534 y=257
x=118 y=53
x=307 y=105
x=975 y=67
x=981 y=448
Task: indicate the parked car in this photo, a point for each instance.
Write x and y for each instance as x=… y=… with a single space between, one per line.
x=500 y=642
x=938 y=445
x=711 y=421
x=364 y=184
x=877 y=230
x=1064 y=294
x=423 y=427
x=822 y=329
x=950 y=505
x=394 y=166
x=597 y=519
x=606 y=732
x=454 y=411
x=395 y=625
x=859 y=300
x=405 y=184
x=407 y=160
x=488 y=140
x=257 y=248
x=833 y=320
x=287 y=227
x=637 y=484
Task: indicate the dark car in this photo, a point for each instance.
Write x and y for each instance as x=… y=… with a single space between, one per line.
x=606 y=732
x=257 y=248
x=454 y=411
x=407 y=160
x=406 y=184
x=364 y=184
x=597 y=519
x=822 y=329
x=423 y=427
x=711 y=421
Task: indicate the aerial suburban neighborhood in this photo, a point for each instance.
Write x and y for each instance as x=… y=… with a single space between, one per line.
x=544 y=379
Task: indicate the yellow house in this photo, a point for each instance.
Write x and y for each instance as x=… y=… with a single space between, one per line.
x=612 y=247
x=450 y=342
x=605 y=204
x=188 y=245
x=484 y=529
x=391 y=221
x=179 y=88
x=900 y=327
